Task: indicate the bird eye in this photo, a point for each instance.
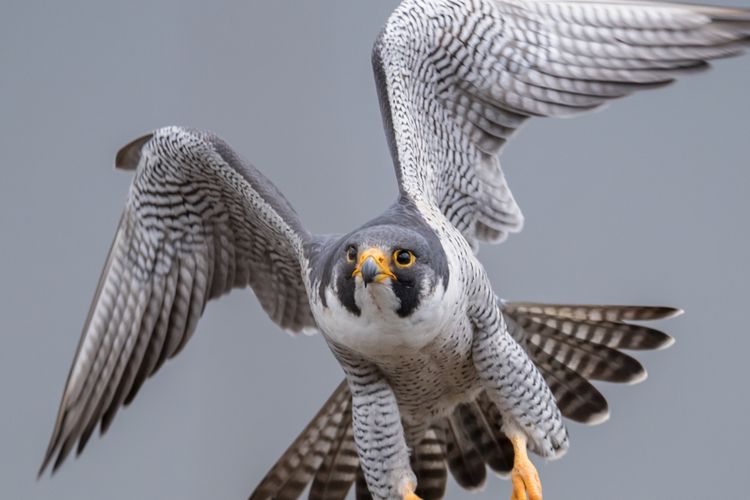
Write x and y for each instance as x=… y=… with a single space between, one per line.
x=351 y=254
x=404 y=258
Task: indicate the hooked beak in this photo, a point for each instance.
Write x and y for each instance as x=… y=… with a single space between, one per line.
x=373 y=266
x=369 y=270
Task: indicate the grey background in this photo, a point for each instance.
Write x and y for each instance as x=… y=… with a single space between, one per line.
x=644 y=203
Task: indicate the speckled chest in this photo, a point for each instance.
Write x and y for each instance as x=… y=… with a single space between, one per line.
x=425 y=358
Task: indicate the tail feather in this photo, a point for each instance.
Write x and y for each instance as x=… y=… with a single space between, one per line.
x=593 y=313
x=360 y=490
x=494 y=447
x=339 y=468
x=572 y=344
x=595 y=362
x=428 y=463
x=577 y=399
x=494 y=419
x=465 y=462
x=299 y=463
x=606 y=333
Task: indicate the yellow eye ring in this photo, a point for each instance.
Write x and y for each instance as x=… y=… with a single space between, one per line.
x=351 y=254
x=404 y=258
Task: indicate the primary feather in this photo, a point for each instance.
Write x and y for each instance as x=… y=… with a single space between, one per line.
x=456 y=79
x=198 y=223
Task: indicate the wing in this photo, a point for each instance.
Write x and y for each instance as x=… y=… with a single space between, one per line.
x=457 y=78
x=198 y=222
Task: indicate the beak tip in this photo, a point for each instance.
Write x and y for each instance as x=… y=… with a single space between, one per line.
x=369 y=270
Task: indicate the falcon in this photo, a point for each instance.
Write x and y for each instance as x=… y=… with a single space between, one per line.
x=440 y=374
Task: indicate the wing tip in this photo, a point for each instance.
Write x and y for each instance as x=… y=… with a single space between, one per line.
x=129 y=156
x=668 y=342
x=52 y=449
x=598 y=418
x=42 y=468
x=676 y=311
x=637 y=377
x=661 y=313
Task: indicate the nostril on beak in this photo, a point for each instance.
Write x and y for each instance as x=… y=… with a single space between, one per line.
x=369 y=269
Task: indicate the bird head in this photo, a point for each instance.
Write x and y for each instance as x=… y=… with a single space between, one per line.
x=389 y=267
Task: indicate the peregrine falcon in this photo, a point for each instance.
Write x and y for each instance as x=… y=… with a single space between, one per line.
x=440 y=373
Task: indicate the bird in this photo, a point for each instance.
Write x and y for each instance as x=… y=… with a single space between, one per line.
x=440 y=373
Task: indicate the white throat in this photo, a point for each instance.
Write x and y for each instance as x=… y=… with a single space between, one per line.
x=376 y=300
x=378 y=330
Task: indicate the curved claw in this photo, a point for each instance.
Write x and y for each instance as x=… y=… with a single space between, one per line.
x=524 y=475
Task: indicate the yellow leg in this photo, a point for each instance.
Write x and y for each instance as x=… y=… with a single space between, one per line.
x=524 y=475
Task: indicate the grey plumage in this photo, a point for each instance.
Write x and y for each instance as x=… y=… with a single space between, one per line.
x=440 y=374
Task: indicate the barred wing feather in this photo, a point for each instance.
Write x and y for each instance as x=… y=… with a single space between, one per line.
x=198 y=223
x=456 y=79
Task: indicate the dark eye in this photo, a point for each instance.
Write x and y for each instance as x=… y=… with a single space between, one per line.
x=351 y=254
x=404 y=258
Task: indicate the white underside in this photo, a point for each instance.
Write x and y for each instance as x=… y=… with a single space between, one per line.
x=379 y=331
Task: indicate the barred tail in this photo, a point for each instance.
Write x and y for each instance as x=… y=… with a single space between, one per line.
x=428 y=463
x=339 y=469
x=465 y=462
x=306 y=458
x=573 y=344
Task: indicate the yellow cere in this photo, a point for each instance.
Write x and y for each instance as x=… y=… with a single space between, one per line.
x=382 y=261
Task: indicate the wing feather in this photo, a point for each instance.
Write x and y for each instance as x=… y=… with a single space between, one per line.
x=158 y=336
x=198 y=222
x=148 y=323
x=573 y=344
x=457 y=79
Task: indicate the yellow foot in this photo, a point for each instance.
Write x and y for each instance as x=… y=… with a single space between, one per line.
x=524 y=475
x=409 y=493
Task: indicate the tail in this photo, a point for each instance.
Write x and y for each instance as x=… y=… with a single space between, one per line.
x=571 y=345
x=574 y=344
x=323 y=453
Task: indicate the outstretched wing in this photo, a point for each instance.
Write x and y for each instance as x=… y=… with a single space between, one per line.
x=457 y=78
x=198 y=222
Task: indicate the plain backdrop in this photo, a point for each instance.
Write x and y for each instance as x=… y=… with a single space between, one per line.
x=646 y=202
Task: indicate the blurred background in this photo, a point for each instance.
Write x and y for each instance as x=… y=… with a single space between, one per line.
x=646 y=202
